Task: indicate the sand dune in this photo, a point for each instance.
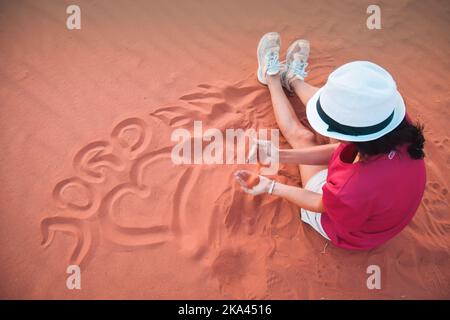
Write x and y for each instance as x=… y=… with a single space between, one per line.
x=86 y=172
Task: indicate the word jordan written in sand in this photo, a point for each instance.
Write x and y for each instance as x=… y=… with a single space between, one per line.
x=190 y=148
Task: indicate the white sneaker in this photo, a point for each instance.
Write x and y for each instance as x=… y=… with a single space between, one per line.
x=296 y=63
x=268 y=54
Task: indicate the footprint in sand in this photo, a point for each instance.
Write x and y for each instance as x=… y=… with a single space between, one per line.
x=230 y=265
x=279 y=288
x=441 y=144
x=436 y=201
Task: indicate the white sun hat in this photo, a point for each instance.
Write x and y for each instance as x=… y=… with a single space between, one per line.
x=359 y=102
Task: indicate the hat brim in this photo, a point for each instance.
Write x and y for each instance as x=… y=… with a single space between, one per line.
x=321 y=127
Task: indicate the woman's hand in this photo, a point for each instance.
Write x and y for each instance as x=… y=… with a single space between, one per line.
x=255 y=184
x=265 y=150
x=252 y=183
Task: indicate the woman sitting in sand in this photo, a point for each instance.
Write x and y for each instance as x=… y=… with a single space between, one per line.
x=363 y=187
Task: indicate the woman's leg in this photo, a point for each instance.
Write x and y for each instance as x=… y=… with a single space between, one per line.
x=303 y=90
x=297 y=135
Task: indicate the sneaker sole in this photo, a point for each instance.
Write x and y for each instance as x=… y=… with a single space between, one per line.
x=260 y=44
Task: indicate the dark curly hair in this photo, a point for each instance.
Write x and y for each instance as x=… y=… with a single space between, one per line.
x=404 y=133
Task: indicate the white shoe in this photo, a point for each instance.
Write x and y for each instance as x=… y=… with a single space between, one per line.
x=296 y=63
x=268 y=54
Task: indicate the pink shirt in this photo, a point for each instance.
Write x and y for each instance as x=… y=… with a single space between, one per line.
x=367 y=203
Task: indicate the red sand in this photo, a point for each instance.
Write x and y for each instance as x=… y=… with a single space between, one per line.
x=85 y=129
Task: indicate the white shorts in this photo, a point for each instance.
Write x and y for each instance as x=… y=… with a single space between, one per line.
x=315 y=184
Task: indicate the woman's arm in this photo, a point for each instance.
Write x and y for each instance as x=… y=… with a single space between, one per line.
x=303 y=198
x=315 y=155
x=266 y=151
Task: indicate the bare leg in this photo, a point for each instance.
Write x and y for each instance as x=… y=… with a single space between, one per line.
x=297 y=135
x=303 y=90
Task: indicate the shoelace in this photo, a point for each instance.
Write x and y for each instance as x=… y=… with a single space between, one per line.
x=273 y=62
x=298 y=68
